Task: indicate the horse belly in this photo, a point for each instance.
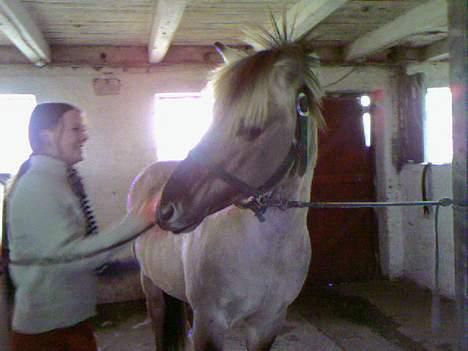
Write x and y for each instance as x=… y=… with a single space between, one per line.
x=159 y=255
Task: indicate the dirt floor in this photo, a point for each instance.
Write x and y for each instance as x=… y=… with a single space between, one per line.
x=373 y=316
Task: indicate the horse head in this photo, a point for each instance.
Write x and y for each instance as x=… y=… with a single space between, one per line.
x=266 y=107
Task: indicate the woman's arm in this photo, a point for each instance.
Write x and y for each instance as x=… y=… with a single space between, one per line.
x=46 y=224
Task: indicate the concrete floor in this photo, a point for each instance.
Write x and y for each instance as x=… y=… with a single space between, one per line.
x=374 y=316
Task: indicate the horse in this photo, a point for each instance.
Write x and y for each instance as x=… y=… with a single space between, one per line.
x=224 y=245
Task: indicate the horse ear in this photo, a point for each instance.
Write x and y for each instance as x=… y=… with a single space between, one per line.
x=228 y=54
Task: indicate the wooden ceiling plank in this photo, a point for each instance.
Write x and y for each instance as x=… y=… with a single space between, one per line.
x=166 y=19
x=22 y=31
x=306 y=14
x=437 y=51
x=422 y=18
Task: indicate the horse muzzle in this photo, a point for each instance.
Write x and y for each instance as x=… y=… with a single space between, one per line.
x=168 y=218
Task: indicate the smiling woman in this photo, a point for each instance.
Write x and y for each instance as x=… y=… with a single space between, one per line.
x=14 y=146
x=48 y=211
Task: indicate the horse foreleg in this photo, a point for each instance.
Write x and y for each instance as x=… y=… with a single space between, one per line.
x=207 y=333
x=156 y=309
x=167 y=317
x=262 y=330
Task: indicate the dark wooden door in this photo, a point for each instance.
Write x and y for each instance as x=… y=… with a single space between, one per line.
x=343 y=240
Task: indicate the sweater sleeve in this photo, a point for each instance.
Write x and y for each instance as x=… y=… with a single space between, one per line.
x=47 y=224
x=127 y=228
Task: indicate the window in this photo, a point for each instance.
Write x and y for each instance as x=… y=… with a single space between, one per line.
x=365 y=102
x=181 y=119
x=438 y=126
x=14 y=144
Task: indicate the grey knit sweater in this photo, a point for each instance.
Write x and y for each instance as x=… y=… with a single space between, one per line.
x=45 y=220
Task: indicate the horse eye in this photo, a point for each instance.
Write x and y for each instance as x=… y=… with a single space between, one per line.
x=250 y=134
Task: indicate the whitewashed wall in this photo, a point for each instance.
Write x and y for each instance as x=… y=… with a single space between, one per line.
x=418 y=230
x=121 y=140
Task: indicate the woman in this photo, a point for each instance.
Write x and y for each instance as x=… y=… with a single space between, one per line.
x=53 y=302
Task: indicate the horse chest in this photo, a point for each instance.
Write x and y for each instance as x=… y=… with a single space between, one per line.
x=257 y=268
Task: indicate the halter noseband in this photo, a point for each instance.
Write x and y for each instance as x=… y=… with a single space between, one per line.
x=257 y=199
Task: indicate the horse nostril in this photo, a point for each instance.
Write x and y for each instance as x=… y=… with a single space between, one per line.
x=166 y=212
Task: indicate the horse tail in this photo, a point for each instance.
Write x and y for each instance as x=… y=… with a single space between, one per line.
x=175 y=327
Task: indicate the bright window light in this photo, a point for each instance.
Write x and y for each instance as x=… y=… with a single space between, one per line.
x=366 y=122
x=365 y=102
x=438 y=126
x=14 y=144
x=181 y=119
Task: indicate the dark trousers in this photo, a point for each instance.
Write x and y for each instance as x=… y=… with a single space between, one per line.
x=79 y=337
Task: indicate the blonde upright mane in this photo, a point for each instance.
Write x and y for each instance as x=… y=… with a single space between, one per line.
x=247 y=89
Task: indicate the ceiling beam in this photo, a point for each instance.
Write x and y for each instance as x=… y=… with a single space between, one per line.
x=423 y=18
x=167 y=16
x=137 y=56
x=22 y=31
x=437 y=51
x=98 y=56
x=306 y=14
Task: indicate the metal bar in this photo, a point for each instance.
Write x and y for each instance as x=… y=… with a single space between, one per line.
x=441 y=202
x=283 y=205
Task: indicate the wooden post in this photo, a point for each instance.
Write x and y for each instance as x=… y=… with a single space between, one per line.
x=457 y=45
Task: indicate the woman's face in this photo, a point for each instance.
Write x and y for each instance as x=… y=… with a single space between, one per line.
x=69 y=137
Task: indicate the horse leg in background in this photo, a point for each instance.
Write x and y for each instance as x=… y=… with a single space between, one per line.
x=155 y=308
x=207 y=332
x=167 y=317
x=262 y=330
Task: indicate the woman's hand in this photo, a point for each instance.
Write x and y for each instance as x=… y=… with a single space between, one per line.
x=146 y=209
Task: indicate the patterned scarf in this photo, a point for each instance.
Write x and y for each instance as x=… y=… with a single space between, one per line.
x=77 y=187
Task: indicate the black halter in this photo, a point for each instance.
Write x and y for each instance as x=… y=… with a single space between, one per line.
x=257 y=199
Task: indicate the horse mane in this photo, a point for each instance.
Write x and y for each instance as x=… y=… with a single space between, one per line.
x=243 y=89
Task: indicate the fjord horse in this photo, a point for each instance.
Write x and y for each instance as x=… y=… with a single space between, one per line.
x=240 y=263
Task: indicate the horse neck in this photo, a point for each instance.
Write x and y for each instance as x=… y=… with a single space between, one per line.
x=299 y=187
x=291 y=220
x=295 y=187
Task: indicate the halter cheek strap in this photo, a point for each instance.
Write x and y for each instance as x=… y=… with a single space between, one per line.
x=257 y=198
x=302 y=132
